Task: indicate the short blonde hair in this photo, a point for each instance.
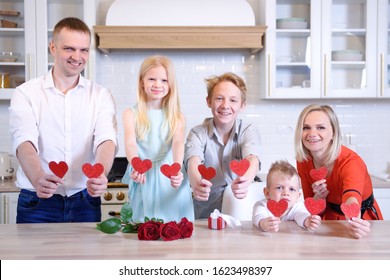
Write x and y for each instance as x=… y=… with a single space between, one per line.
x=283 y=167
x=226 y=77
x=301 y=152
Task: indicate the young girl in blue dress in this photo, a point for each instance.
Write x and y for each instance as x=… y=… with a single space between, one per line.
x=154 y=129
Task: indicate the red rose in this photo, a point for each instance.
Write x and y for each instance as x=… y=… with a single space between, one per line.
x=186 y=228
x=149 y=230
x=169 y=231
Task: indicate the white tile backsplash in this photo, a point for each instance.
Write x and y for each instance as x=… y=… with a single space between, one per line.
x=365 y=120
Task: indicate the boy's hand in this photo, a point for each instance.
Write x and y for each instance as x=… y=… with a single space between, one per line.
x=201 y=190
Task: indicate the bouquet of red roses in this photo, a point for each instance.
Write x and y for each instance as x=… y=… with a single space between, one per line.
x=150 y=229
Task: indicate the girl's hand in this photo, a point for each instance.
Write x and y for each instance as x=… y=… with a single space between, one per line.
x=270 y=224
x=319 y=189
x=358 y=227
x=313 y=222
x=177 y=180
x=138 y=177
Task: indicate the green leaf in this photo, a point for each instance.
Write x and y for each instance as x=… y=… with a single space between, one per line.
x=111 y=225
x=146 y=219
x=126 y=213
x=130 y=228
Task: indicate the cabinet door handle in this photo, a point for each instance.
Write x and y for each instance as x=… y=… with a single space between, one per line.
x=269 y=75
x=382 y=82
x=6 y=209
x=325 y=76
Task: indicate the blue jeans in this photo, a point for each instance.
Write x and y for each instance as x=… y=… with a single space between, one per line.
x=80 y=207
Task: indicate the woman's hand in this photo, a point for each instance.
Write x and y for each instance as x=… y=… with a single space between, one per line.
x=320 y=189
x=358 y=227
x=313 y=222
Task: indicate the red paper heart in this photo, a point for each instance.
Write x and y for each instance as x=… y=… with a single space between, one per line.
x=59 y=169
x=93 y=171
x=315 y=206
x=141 y=166
x=319 y=174
x=277 y=208
x=170 y=170
x=351 y=210
x=239 y=167
x=207 y=173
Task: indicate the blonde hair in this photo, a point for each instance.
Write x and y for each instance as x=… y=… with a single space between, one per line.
x=301 y=152
x=226 y=77
x=170 y=103
x=283 y=167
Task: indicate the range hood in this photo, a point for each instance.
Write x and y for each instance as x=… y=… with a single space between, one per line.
x=178 y=24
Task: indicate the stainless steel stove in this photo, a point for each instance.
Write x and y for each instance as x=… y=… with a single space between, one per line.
x=117 y=192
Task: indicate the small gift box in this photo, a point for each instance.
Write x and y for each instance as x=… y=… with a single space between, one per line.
x=216 y=223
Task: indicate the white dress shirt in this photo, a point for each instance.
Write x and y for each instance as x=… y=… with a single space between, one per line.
x=62 y=127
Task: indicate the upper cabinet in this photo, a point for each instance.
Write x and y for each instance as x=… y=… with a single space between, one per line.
x=325 y=49
x=28 y=41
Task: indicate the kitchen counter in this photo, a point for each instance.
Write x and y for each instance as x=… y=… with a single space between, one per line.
x=8 y=186
x=83 y=241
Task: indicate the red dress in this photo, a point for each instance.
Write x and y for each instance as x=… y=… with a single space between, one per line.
x=349 y=178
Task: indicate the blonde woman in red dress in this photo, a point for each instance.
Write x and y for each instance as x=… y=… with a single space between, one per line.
x=318 y=144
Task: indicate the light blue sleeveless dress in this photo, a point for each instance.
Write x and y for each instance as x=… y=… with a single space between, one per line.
x=156 y=198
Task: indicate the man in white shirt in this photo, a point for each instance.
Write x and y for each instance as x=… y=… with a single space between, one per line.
x=62 y=117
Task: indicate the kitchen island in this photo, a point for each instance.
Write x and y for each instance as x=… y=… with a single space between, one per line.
x=84 y=242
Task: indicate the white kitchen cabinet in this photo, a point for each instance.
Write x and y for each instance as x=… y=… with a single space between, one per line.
x=299 y=62
x=30 y=40
x=383 y=77
x=382 y=196
x=8 y=206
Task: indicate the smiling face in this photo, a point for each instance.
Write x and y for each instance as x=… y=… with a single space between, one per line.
x=156 y=86
x=281 y=186
x=70 y=50
x=225 y=104
x=317 y=133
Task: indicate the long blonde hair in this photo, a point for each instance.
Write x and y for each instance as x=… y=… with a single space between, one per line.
x=301 y=152
x=170 y=103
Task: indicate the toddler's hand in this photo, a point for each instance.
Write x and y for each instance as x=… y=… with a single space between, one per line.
x=270 y=224
x=313 y=222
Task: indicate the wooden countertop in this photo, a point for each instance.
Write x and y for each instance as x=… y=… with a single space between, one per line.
x=83 y=241
x=8 y=186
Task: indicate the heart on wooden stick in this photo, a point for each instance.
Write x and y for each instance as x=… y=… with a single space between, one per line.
x=315 y=206
x=239 y=167
x=319 y=174
x=277 y=208
x=350 y=210
x=59 y=169
x=141 y=166
x=207 y=173
x=92 y=171
x=170 y=170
